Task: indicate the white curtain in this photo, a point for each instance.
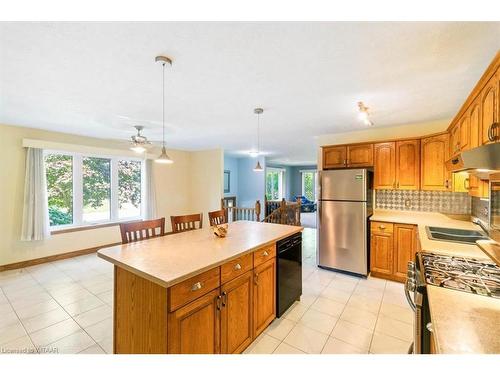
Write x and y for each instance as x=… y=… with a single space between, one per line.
x=150 y=192
x=35 y=224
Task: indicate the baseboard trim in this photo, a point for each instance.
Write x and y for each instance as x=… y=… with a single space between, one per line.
x=52 y=258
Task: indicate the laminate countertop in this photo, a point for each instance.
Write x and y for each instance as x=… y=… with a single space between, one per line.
x=171 y=259
x=462 y=322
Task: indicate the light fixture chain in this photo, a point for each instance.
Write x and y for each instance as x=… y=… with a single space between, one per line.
x=163 y=105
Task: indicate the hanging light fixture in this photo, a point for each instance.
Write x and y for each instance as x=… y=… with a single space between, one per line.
x=258 y=167
x=163 y=158
x=364 y=115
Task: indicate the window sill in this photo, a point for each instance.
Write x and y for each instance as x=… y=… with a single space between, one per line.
x=89 y=227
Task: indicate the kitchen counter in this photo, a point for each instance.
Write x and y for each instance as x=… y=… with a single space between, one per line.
x=462 y=322
x=171 y=259
x=423 y=219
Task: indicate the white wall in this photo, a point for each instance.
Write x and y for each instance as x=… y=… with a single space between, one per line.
x=192 y=184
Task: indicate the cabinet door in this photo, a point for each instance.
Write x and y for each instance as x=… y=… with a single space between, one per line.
x=404 y=249
x=334 y=157
x=236 y=314
x=489 y=107
x=385 y=165
x=433 y=155
x=381 y=254
x=464 y=132
x=264 y=295
x=460 y=182
x=474 y=114
x=408 y=165
x=195 y=328
x=454 y=140
x=360 y=155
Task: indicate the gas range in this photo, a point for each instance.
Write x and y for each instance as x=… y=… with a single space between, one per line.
x=461 y=273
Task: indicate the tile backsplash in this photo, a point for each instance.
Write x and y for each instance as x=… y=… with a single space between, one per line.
x=429 y=201
x=480 y=209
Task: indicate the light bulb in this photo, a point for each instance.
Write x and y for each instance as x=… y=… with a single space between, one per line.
x=138 y=149
x=254 y=154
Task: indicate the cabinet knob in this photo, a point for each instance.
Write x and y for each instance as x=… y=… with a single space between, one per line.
x=196 y=286
x=265 y=253
x=381 y=226
x=237 y=267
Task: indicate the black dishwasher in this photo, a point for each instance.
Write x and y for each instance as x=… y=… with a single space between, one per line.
x=288 y=272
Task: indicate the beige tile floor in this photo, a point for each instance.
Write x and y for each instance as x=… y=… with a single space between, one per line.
x=66 y=307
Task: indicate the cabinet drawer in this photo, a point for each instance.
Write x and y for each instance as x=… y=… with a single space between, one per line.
x=236 y=267
x=381 y=227
x=192 y=288
x=264 y=254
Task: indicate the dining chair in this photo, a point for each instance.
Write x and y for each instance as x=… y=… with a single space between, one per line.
x=186 y=222
x=217 y=217
x=142 y=230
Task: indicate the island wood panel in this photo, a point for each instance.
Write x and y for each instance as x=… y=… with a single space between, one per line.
x=237 y=314
x=263 y=255
x=434 y=153
x=334 y=157
x=140 y=308
x=264 y=295
x=408 y=164
x=404 y=249
x=385 y=165
x=360 y=155
x=195 y=328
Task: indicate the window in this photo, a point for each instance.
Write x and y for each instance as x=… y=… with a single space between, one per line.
x=274 y=183
x=309 y=184
x=85 y=189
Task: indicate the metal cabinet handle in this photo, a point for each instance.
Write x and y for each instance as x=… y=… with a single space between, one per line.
x=218 y=302
x=224 y=299
x=491 y=132
x=467 y=184
x=381 y=226
x=196 y=286
x=256 y=279
x=397 y=185
x=394 y=184
x=265 y=253
x=446 y=184
x=237 y=267
x=429 y=327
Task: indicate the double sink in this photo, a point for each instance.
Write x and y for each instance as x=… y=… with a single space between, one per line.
x=455 y=235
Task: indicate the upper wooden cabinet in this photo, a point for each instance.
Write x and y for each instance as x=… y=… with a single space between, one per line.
x=489 y=108
x=460 y=135
x=360 y=155
x=384 y=165
x=474 y=114
x=351 y=156
x=433 y=155
x=408 y=164
x=334 y=157
x=397 y=165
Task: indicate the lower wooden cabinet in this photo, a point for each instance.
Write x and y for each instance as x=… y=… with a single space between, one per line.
x=392 y=246
x=237 y=314
x=264 y=295
x=195 y=328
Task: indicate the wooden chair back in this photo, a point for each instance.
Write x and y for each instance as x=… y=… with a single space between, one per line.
x=142 y=230
x=217 y=217
x=186 y=222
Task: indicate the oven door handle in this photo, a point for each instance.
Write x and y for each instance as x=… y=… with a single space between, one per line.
x=408 y=297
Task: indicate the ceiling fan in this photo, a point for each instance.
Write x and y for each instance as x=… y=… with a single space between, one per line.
x=139 y=142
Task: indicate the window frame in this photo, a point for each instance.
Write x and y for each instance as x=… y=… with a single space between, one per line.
x=281 y=180
x=315 y=182
x=77 y=168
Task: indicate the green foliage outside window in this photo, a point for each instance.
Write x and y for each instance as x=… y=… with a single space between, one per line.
x=272 y=185
x=308 y=181
x=59 y=172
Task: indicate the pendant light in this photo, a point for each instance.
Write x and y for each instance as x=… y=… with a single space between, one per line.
x=163 y=158
x=258 y=112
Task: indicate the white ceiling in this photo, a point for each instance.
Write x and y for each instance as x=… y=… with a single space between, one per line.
x=99 y=79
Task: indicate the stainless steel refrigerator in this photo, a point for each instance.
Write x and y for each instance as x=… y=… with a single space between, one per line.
x=345 y=204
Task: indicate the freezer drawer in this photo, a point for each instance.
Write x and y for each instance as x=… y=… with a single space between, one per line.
x=343 y=236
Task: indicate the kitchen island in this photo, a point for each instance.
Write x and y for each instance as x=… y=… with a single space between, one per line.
x=193 y=292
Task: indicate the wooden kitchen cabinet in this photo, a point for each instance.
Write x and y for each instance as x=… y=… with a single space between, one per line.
x=264 y=295
x=489 y=108
x=384 y=165
x=392 y=246
x=195 y=328
x=408 y=164
x=454 y=142
x=433 y=155
x=334 y=157
x=459 y=135
x=237 y=314
x=351 y=156
x=360 y=155
x=404 y=249
x=381 y=249
x=474 y=114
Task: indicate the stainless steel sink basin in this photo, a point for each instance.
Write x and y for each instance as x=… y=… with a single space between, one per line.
x=455 y=235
